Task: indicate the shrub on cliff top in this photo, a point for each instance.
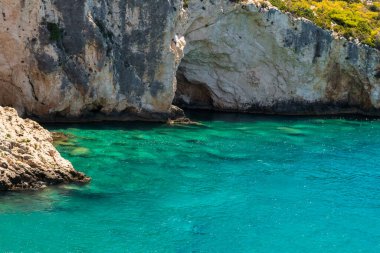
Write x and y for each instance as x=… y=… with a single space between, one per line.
x=350 y=18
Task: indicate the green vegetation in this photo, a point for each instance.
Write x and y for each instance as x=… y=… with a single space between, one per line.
x=55 y=32
x=186 y=3
x=350 y=18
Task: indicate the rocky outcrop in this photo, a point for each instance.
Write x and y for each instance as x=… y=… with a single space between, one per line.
x=28 y=159
x=83 y=59
x=240 y=57
x=106 y=59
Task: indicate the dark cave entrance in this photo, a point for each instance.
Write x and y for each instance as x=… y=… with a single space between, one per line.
x=192 y=95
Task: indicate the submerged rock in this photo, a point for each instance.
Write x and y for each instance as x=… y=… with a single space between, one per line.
x=28 y=159
x=62 y=139
x=183 y=121
x=80 y=151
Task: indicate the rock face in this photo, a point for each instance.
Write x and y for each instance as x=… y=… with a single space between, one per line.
x=107 y=59
x=28 y=159
x=88 y=58
x=247 y=59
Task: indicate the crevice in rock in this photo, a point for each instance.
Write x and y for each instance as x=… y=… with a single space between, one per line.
x=192 y=95
x=33 y=90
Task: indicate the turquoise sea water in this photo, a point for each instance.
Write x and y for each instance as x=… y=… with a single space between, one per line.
x=238 y=183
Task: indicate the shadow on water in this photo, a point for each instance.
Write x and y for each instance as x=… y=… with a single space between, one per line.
x=208 y=116
x=111 y=125
x=50 y=199
x=203 y=115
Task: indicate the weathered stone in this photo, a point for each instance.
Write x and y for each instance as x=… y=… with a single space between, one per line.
x=104 y=59
x=240 y=57
x=28 y=159
x=61 y=59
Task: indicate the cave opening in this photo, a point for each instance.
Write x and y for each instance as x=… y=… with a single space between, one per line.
x=190 y=94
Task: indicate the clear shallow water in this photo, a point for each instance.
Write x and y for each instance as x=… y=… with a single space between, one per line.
x=238 y=183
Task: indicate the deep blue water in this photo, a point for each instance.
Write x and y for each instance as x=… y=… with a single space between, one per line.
x=237 y=183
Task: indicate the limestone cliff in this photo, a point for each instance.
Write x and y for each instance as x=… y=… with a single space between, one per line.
x=28 y=159
x=88 y=58
x=106 y=59
x=250 y=59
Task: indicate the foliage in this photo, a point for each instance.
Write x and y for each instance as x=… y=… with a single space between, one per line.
x=186 y=3
x=55 y=32
x=350 y=18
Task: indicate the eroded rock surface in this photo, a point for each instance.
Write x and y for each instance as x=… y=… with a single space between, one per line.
x=28 y=159
x=240 y=57
x=73 y=59
x=107 y=59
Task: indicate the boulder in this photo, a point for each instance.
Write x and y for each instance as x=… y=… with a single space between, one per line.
x=28 y=159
